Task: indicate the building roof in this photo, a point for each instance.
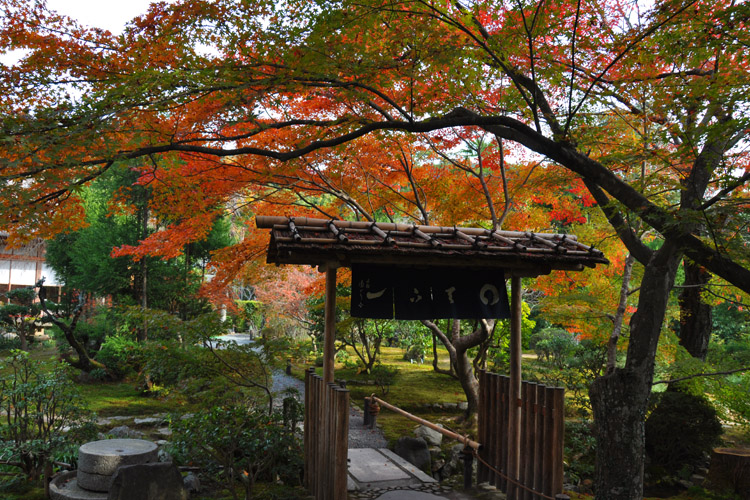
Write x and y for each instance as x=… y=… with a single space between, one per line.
x=321 y=242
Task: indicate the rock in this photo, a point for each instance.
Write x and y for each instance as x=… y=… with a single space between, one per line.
x=697 y=479
x=99 y=460
x=154 y=481
x=125 y=432
x=437 y=465
x=450 y=406
x=463 y=406
x=435 y=452
x=192 y=483
x=457 y=455
x=163 y=455
x=433 y=437
x=164 y=431
x=148 y=421
x=684 y=483
x=414 y=451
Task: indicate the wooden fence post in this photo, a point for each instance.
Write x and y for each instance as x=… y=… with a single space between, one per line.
x=514 y=424
x=342 y=443
x=482 y=431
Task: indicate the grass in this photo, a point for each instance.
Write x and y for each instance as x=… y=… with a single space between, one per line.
x=122 y=398
x=105 y=398
x=415 y=389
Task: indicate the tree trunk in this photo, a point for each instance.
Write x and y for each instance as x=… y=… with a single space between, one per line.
x=468 y=381
x=619 y=399
x=695 y=314
x=458 y=347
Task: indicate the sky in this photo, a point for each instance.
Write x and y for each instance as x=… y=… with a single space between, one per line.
x=107 y=15
x=92 y=13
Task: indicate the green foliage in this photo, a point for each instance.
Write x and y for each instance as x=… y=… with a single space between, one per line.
x=122 y=355
x=680 y=430
x=571 y=364
x=238 y=445
x=730 y=323
x=21 y=315
x=83 y=260
x=499 y=350
x=580 y=450
x=43 y=414
x=554 y=346
x=383 y=376
x=8 y=343
x=249 y=316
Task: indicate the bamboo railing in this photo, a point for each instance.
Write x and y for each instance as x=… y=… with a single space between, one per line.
x=326 y=438
x=539 y=471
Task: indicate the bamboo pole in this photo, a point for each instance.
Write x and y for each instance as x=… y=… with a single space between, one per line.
x=482 y=430
x=330 y=443
x=445 y=432
x=342 y=443
x=330 y=324
x=268 y=222
x=540 y=437
x=306 y=436
x=514 y=393
x=549 y=444
x=499 y=433
x=558 y=435
x=501 y=415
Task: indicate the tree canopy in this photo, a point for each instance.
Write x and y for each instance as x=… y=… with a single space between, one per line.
x=406 y=109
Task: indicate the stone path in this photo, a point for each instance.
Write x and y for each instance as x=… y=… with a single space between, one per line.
x=375 y=472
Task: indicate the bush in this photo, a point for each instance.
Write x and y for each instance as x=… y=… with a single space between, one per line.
x=383 y=376
x=236 y=445
x=681 y=430
x=415 y=353
x=121 y=355
x=554 y=346
x=43 y=415
x=580 y=450
x=9 y=342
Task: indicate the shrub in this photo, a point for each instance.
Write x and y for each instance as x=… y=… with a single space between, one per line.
x=121 y=355
x=415 y=353
x=681 y=429
x=43 y=415
x=383 y=376
x=580 y=450
x=554 y=346
x=236 y=445
x=9 y=342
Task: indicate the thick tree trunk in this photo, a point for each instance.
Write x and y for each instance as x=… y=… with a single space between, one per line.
x=695 y=314
x=620 y=398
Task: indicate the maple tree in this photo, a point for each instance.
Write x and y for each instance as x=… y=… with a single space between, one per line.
x=289 y=103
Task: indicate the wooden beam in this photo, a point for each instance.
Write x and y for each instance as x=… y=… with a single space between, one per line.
x=330 y=324
x=514 y=409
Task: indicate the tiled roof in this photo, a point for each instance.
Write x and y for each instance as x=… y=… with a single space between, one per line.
x=302 y=240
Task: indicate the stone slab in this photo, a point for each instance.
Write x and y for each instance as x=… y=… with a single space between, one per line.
x=105 y=456
x=409 y=495
x=368 y=465
x=64 y=486
x=408 y=467
x=94 y=482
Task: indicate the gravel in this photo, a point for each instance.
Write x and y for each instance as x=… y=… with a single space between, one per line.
x=359 y=436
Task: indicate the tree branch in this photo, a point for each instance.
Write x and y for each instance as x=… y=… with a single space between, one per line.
x=713 y=374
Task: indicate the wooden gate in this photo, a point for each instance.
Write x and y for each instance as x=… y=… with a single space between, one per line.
x=535 y=469
x=326 y=438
